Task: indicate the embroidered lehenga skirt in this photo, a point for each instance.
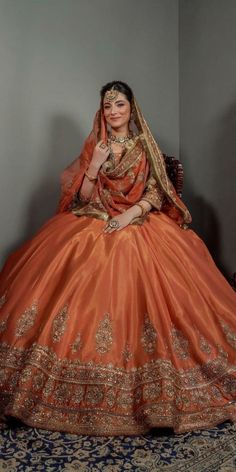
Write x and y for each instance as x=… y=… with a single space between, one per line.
x=113 y=334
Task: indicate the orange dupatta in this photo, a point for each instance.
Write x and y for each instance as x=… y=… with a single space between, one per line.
x=119 y=188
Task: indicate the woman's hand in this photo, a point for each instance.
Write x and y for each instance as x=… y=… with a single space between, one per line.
x=122 y=220
x=100 y=154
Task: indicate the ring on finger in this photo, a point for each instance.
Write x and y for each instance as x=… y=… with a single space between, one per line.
x=114 y=224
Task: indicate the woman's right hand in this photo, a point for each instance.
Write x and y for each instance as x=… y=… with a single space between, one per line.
x=100 y=154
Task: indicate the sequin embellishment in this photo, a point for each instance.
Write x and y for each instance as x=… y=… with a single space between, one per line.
x=180 y=344
x=26 y=320
x=149 y=336
x=103 y=335
x=77 y=344
x=59 y=324
x=229 y=334
x=126 y=353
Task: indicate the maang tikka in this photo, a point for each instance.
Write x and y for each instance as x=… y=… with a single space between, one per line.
x=111 y=95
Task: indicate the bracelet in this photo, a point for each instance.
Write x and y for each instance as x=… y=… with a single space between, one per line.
x=144 y=210
x=90 y=177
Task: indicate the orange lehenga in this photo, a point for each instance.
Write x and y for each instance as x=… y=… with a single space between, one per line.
x=109 y=334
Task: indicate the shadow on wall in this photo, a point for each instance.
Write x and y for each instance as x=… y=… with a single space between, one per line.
x=65 y=143
x=222 y=164
x=208 y=227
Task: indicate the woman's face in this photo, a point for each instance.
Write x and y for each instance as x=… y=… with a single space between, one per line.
x=117 y=112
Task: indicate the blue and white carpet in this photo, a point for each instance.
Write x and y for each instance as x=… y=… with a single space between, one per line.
x=24 y=449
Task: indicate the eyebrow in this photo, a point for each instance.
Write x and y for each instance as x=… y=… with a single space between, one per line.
x=117 y=101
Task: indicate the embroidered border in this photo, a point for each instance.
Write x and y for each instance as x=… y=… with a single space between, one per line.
x=69 y=395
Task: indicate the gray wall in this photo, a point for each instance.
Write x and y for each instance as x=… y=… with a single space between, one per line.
x=208 y=121
x=54 y=56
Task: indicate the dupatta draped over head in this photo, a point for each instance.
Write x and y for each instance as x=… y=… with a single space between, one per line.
x=140 y=174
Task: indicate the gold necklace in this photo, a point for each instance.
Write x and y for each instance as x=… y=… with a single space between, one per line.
x=119 y=139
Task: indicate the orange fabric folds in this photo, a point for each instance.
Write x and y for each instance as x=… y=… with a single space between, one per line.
x=114 y=334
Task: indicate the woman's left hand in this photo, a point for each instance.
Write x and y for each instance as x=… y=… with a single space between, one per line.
x=122 y=220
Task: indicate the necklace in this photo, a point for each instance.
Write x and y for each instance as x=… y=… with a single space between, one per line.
x=120 y=139
x=125 y=142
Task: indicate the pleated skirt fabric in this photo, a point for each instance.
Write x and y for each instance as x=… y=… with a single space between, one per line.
x=114 y=334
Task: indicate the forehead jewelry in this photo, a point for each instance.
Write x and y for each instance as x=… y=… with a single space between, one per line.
x=111 y=95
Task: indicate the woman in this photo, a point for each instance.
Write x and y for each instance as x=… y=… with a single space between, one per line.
x=114 y=317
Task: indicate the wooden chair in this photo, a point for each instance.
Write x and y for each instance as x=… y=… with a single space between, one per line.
x=175 y=173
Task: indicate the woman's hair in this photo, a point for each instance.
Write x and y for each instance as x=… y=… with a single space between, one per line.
x=122 y=87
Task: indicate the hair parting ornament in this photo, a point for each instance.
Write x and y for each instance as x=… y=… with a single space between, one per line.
x=111 y=95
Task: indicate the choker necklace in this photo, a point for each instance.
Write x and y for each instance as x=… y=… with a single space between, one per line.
x=120 y=139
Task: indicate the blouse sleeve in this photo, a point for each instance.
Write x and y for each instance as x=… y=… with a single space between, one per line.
x=153 y=194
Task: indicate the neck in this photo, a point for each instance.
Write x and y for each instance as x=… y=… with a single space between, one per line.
x=123 y=131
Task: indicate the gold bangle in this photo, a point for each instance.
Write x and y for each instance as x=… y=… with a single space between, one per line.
x=90 y=177
x=144 y=210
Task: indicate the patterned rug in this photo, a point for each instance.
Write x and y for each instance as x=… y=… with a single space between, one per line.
x=27 y=449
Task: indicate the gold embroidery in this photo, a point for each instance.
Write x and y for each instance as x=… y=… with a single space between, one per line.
x=204 y=344
x=98 y=207
x=93 y=209
x=94 y=395
x=154 y=197
x=48 y=388
x=111 y=397
x=151 y=391
x=131 y=175
x=26 y=374
x=157 y=162
x=131 y=158
x=59 y=324
x=125 y=400
x=39 y=381
x=149 y=336
x=26 y=320
x=77 y=344
x=229 y=384
x=229 y=334
x=180 y=344
x=78 y=394
x=126 y=353
x=103 y=335
x=63 y=392
x=140 y=177
x=138 y=395
x=193 y=394
x=153 y=194
x=3 y=324
x=4 y=374
x=3 y=299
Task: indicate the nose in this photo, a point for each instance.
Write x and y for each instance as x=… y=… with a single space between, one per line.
x=113 y=110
